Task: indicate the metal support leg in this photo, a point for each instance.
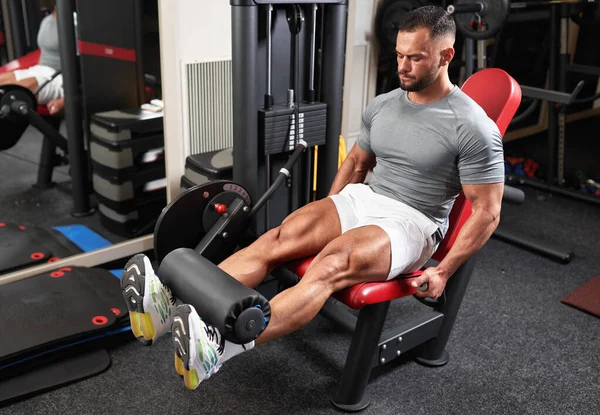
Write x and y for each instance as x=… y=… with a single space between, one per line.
x=48 y=159
x=47 y=163
x=433 y=352
x=350 y=394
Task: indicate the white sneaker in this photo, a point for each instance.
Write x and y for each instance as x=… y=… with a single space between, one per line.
x=151 y=305
x=198 y=346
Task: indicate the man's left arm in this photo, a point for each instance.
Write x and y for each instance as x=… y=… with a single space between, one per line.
x=486 y=200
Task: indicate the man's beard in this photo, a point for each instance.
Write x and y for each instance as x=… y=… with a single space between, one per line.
x=420 y=84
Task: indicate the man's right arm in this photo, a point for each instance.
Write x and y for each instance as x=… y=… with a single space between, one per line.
x=354 y=169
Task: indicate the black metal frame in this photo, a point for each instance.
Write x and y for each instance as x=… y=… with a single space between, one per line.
x=249 y=169
x=427 y=335
x=49 y=159
x=559 y=67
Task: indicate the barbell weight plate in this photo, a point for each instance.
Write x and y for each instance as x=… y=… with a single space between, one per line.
x=493 y=18
x=389 y=15
x=11 y=132
x=17 y=93
x=13 y=125
x=183 y=222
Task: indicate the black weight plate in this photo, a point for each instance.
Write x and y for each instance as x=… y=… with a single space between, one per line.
x=13 y=126
x=389 y=15
x=493 y=18
x=180 y=225
x=12 y=93
x=11 y=132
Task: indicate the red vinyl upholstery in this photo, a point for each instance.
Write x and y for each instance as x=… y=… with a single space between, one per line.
x=24 y=62
x=500 y=96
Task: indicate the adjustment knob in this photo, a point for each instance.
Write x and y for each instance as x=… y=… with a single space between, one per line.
x=220 y=208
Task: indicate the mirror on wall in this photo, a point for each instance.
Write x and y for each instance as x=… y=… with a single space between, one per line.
x=82 y=154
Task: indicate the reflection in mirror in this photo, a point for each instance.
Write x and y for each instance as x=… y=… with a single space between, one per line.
x=81 y=128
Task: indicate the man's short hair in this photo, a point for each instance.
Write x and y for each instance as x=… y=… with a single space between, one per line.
x=436 y=19
x=48 y=5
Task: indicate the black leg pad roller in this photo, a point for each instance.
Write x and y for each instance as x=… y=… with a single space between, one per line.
x=238 y=312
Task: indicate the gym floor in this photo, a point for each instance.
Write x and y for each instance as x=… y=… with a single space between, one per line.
x=22 y=204
x=515 y=348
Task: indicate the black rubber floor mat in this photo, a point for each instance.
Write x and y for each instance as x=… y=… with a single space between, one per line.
x=56 y=242
x=107 y=286
x=20 y=248
x=53 y=375
x=46 y=311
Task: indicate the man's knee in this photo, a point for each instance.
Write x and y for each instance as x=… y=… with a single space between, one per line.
x=282 y=234
x=271 y=238
x=333 y=269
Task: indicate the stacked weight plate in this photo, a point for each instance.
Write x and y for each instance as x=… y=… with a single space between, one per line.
x=127 y=150
x=279 y=126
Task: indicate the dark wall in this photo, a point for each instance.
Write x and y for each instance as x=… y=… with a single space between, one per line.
x=119 y=44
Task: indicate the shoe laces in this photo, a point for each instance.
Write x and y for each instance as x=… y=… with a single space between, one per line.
x=172 y=298
x=214 y=336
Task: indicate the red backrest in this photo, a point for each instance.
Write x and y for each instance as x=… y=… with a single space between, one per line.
x=497 y=93
x=24 y=62
x=500 y=96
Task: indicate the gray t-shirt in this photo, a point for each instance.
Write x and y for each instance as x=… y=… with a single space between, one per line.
x=48 y=43
x=424 y=152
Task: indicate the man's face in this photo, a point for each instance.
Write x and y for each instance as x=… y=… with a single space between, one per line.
x=419 y=59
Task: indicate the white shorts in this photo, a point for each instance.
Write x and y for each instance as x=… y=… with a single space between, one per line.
x=41 y=73
x=412 y=234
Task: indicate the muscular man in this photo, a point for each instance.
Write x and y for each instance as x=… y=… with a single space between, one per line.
x=425 y=142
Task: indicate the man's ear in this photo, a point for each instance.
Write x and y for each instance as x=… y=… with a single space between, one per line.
x=446 y=56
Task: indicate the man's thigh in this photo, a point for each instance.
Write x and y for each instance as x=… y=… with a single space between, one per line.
x=359 y=255
x=7 y=78
x=410 y=246
x=377 y=251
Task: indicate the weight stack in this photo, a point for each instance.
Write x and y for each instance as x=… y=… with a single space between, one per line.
x=278 y=126
x=205 y=167
x=128 y=169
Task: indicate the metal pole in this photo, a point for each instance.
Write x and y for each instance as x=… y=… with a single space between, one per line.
x=15 y=15
x=469 y=61
x=73 y=114
x=552 y=111
x=139 y=45
x=245 y=100
x=334 y=46
x=481 y=55
x=562 y=86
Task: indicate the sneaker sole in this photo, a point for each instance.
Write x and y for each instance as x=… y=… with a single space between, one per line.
x=180 y=330
x=133 y=287
x=183 y=333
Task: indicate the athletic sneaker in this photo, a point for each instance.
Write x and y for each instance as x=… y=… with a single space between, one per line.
x=200 y=349
x=198 y=346
x=151 y=304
